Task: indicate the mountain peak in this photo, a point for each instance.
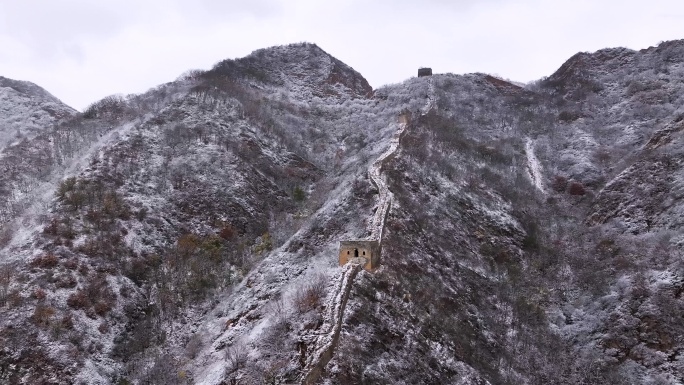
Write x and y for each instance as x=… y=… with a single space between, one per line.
x=26 y=109
x=27 y=88
x=302 y=67
x=582 y=67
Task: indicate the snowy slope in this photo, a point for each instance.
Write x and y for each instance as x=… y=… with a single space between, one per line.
x=190 y=234
x=26 y=109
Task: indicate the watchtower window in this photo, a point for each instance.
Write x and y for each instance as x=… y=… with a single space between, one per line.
x=347 y=252
x=364 y=253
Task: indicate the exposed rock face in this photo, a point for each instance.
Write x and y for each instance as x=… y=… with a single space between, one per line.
x=189 y=234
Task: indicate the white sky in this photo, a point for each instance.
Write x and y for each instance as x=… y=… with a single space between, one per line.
x=83 y=50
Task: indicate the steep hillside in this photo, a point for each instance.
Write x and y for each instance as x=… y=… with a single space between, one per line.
x=26 y=109
x=536 y=238
x=190 y=234
x=26 y=112
x=168 y=199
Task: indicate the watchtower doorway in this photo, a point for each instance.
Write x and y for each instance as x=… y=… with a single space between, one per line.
x=356 y=253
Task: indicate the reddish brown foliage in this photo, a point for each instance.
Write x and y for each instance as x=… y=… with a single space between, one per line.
x=101 y=308
x=78 y=300
x=560 y=183
x=42 y=315
x=576 y=188
x=67 y=322
x=71 y=264
x=66 y=281
x=97 y=298
x=47 y=261
x=39 y=294
x=103 y=328
x=227 y=232
x=311 y=295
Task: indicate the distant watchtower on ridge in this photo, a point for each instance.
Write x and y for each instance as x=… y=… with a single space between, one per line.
x=425 y=71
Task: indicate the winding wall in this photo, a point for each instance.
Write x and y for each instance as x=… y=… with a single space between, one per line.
x=326 y=341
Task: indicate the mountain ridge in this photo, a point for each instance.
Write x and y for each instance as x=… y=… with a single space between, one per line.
x=189 y=234
x=26 y=109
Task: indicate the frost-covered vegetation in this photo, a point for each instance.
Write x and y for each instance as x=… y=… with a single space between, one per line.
x=189 y=234
x=26 y=110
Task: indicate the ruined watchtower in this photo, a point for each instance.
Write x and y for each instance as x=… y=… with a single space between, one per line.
x=363 y=250
x=424 y=72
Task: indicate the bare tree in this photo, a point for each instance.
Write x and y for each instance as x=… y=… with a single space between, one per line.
x=6 y=272
x=236 y=358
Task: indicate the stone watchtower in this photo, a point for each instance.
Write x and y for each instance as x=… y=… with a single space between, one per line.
x=424 y=72
x=366 y=252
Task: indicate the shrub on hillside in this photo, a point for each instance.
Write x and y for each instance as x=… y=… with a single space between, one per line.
x=568 y=116
x=576 y=188
x=39 y=294
x=66 y=281
x=47 y=261
x=6 y=274
x=560 y=183
x=78 y=300
x=227 y=232
x=42 y=314
x=310 y=296
x=236 y=358
x=298 y=194
x=96 y=298
x=6 y=234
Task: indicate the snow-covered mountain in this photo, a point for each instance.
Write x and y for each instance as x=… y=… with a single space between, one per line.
x=190 y=234
x=26 y=109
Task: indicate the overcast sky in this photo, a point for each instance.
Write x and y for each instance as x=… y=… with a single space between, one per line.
x=83 y=50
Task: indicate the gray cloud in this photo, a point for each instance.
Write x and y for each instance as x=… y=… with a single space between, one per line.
x=47 y=28
x=225 y=10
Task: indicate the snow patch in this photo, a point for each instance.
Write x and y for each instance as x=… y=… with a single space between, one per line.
x=533 y=166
